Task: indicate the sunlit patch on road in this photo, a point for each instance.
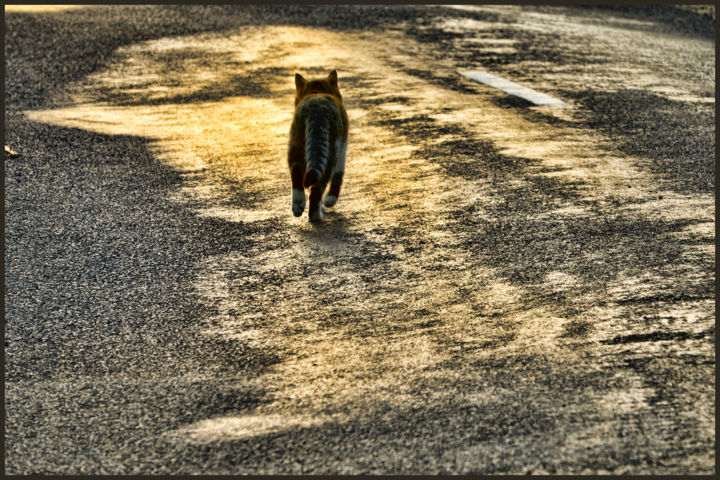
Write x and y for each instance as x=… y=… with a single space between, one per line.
x=41 y=8
x=237 y=428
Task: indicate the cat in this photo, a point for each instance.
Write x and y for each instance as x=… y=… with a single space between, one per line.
x=318 y=144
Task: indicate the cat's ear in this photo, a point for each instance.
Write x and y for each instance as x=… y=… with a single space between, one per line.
x=332 y=78
x=299 y=82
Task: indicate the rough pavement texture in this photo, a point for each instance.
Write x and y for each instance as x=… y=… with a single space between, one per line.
x=500 y=289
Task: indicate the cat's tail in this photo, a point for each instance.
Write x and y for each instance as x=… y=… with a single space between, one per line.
x=317 y=143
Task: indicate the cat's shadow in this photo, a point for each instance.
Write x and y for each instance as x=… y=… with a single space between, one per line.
x=334 y=226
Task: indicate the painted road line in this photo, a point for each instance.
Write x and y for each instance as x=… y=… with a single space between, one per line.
x=514 y=89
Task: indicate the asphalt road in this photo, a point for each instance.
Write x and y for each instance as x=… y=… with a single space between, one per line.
x=501 y=288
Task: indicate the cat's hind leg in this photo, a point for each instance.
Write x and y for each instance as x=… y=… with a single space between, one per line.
x=296 y=160
x=315 y=213
x=334 y=192
x=338 y=173
x=298 y=202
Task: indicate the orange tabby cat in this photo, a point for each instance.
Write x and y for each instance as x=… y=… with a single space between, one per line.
x=318 y=142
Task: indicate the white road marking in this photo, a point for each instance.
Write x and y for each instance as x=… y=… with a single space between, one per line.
x=513 y=88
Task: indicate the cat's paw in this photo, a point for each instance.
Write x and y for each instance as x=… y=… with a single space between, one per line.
x=330 y=200
x=316 y=216
x=298 y=202
x=297 y=209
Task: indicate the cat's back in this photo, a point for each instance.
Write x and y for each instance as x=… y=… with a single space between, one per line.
x=318 y=105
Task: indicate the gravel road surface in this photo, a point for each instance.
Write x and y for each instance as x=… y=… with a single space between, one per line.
x=501 y=287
